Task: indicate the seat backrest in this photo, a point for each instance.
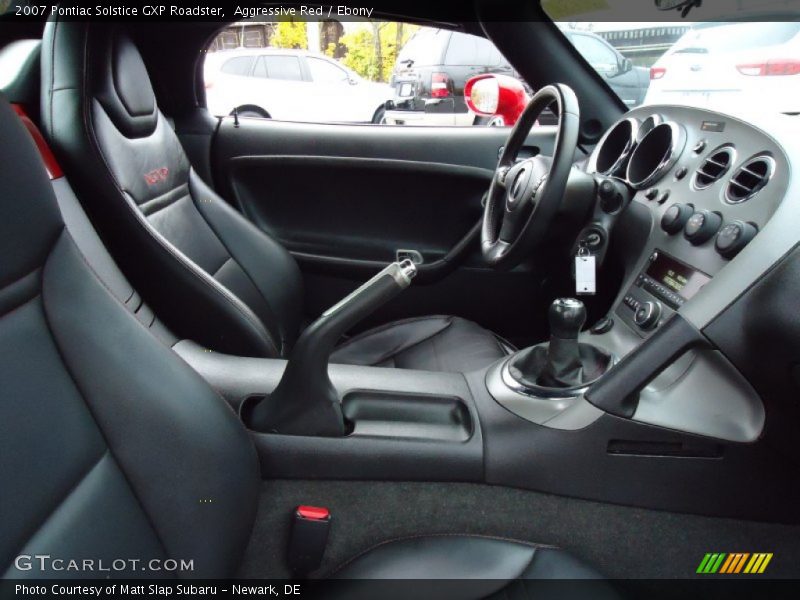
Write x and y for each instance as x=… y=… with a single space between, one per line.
x=207 y=272
x=111 y=447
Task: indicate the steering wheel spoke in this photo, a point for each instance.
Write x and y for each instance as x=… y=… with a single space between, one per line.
x=512 y=223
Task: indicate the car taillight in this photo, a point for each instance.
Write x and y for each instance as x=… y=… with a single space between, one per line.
x=657 y=72
x=440 y=85
x=774 y=66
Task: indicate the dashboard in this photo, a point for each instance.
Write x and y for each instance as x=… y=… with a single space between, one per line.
x=711 y=207
x=711 y=182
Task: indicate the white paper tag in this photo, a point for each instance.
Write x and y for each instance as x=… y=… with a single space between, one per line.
x=585 y=283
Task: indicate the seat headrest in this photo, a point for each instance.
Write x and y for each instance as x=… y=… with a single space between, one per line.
x=128 y=95
x=30 y=220
x=101 y=60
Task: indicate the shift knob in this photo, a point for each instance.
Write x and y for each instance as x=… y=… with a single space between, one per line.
x=566 y=316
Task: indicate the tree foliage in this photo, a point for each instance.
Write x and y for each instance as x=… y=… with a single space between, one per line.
x=372 y=60
x=290 y=34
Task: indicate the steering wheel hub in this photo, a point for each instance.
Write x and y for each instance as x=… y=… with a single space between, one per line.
x=518 y=188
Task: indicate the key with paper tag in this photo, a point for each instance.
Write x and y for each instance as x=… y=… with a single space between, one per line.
x=585 y=276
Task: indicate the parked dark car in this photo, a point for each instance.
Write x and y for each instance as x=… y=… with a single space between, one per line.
x=629 y=82
x=435 y=64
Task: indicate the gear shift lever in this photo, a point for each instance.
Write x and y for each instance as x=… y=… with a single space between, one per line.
x=564 y=362
x=564 y=367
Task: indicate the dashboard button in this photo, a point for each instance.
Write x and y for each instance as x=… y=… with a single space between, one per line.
x=699 y=147
x=651 y=194
x=663 y=197
x=702 y=226
x=681 y=173
x=647 y=314
x=733 y=237
x=675 y=217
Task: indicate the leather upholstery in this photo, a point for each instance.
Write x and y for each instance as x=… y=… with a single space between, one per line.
x=112 y=448
x=439 y=343
x=206 y=270
x=488 y=567
x=100 y=261
x=109 y=441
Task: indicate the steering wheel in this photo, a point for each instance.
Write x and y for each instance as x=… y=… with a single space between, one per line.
x=525 y=195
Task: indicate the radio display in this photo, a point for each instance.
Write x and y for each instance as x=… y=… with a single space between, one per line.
x=676 y=276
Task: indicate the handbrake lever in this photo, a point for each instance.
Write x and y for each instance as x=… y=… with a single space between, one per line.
x=305 y=401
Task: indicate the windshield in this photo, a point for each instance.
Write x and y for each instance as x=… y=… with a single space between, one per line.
x=735 y=67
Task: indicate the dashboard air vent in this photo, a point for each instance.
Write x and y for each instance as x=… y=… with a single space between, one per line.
x=750 y=178
x=714 y=166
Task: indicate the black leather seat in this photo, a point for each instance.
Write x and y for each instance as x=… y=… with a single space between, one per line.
x=109 y=442
x=206 y=270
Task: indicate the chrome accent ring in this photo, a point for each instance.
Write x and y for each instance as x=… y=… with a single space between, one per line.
x=669 y=159
x=630 y=146
x=545 y=393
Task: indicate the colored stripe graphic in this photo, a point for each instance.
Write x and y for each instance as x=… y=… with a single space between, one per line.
x=711 y=562
x=758 y=563
x=734 y=563
x=726 y=566
x=703 y=564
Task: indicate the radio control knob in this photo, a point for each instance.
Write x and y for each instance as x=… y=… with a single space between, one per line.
x=647 y=315
x=733 y=237
x=675 y=217
x=702 y=226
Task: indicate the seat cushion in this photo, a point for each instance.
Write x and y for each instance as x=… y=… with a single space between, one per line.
x=438 y=343
x=473 y=566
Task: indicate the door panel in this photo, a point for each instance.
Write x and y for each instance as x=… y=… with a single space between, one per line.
x=344 y=198
x=359 y=208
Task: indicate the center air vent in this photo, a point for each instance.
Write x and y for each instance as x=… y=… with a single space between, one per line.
x=714 y=166
x=750 y=178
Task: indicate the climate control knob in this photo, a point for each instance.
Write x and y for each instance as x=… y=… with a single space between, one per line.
x=733 y=237
x=647 y=314
x=675 y=217
x=702 y=226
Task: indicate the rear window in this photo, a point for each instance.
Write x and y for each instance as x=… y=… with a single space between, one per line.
x=465 y=49
x=425 y=47
x=238 y=66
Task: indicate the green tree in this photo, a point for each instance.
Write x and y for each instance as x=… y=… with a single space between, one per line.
x=372 y=52
x=290 y=34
